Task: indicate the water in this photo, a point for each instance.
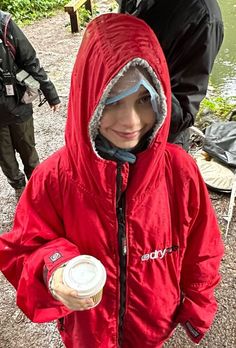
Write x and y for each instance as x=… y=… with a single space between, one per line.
x=223 y=78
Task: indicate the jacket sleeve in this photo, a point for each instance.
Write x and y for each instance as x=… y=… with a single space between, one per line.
x=26 y=59
x=36 y=241
x=193 y=58
x=200 y=266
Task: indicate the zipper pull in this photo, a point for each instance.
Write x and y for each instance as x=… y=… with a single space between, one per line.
x=124 y=246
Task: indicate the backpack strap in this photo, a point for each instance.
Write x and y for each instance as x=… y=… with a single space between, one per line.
x=11 y=48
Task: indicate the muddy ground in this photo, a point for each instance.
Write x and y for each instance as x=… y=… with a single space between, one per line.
x=56 y=48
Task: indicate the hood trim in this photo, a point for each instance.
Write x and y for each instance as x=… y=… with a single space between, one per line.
x=162 y=105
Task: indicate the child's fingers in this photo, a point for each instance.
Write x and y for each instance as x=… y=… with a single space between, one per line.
x=69 y=297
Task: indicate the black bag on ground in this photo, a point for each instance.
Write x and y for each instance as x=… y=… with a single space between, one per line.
x=220 y=142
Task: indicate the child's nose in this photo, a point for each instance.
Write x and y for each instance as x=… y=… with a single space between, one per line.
x=129 y=116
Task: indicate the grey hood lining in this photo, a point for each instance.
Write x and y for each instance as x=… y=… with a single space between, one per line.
x=94 y=123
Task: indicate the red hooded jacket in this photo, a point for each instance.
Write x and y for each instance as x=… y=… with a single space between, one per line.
x=69 y=208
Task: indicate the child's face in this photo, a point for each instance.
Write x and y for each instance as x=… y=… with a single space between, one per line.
x=124 y=122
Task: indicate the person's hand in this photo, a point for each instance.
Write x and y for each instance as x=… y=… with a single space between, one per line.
x=68 y=296
x=55 y=107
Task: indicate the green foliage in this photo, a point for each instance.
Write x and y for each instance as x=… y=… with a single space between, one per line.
x=113 y=6
x=26 y=11
x=218 y=106
x=84 y=16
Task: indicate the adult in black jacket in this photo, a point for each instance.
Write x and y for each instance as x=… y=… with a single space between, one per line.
x=16 y=121
x=190 y=33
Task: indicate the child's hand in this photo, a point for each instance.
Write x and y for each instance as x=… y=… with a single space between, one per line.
x=68 y=296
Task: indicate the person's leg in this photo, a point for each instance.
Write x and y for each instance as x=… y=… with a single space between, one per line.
x=24 y=143
x=8 y=160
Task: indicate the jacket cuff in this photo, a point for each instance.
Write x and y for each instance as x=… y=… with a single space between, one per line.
x=50 y=281
x=55 y=260
x=54 y=101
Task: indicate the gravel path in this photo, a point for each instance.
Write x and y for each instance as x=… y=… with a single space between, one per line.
x=56 y=48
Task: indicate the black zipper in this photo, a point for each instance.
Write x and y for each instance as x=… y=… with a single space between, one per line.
x=120 y=211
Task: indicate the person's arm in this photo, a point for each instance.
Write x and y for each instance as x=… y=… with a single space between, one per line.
x=200 y=266
x=37 y=242
x=27 y=60
x=190 y=66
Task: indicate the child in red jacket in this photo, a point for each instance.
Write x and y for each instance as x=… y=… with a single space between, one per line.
x=117 y=191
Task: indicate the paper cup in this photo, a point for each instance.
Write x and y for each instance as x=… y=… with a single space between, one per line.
x=87 y=275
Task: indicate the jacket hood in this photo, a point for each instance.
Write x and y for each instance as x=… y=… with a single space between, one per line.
x=108 y=49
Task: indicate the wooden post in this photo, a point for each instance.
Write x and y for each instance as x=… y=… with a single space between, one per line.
x=74 y=23
x=89 y=6
x=72 y=8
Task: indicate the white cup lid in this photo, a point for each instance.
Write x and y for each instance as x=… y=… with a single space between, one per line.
x=86 y=274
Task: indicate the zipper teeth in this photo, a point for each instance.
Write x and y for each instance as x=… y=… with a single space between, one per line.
x=124 y=246
x=122 y=252
x=119 y=184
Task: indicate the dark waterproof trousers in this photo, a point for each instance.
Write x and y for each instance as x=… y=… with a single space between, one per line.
x=18 y=137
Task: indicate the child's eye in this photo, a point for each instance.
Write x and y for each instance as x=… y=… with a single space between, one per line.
x=145 y=99
x=109 y=107
x=112 y=105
